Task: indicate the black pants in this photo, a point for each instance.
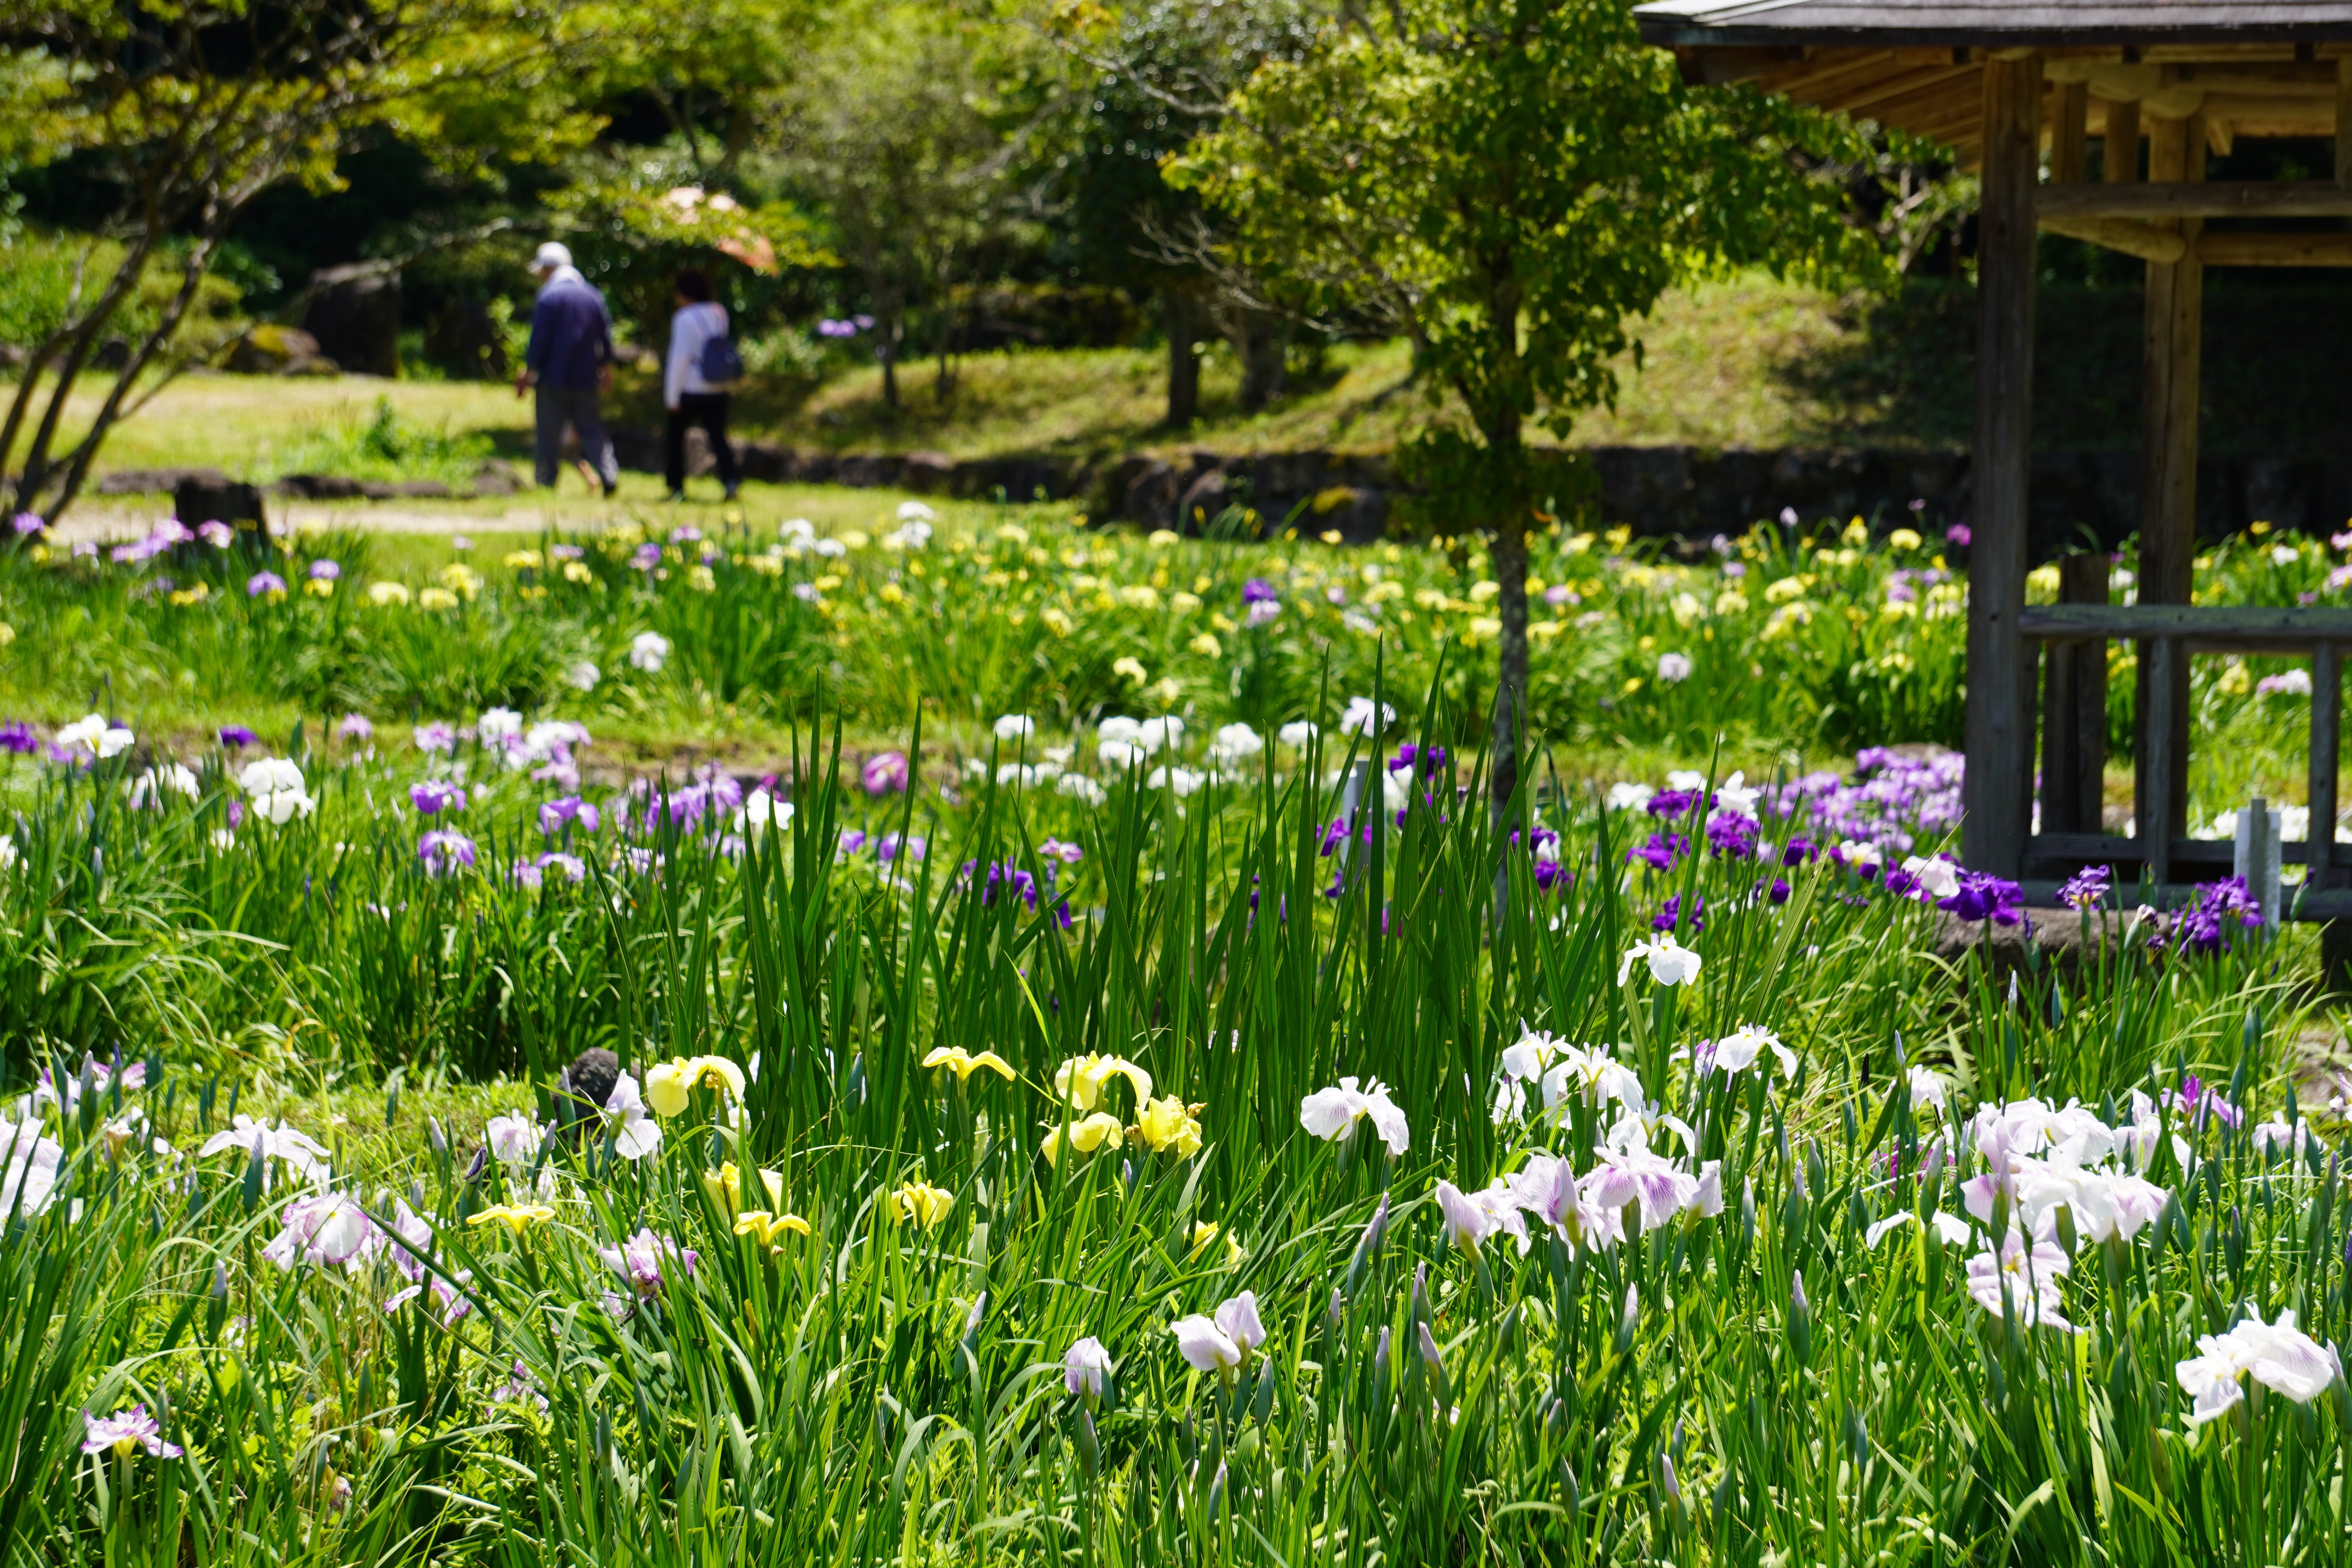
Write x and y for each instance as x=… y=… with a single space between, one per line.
x=707 y=409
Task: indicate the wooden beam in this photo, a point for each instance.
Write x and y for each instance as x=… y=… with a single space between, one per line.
x=1998 y=725
x=2268 y=628
x=2119 y=234
x=1945 y=113
x=2276 y=117
x=2172 y=322
x=2120 y=153
x=2071 y=118
x=1832 y=72
x=2197 y=198
x=1892 y=97
x=2274 y=249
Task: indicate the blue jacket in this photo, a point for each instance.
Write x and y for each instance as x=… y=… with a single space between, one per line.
x=571 y=335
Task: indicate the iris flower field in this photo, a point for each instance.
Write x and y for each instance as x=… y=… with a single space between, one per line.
x=988 y=1040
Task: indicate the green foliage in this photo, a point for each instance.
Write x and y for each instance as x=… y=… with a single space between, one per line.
x=1743 y=1381
x=1510 y=181
x=386 y=447
x=43 y=278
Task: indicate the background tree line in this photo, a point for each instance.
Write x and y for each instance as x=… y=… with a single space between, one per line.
x=1510 y=184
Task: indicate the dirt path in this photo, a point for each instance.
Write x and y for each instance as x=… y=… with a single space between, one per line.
x=110 y=522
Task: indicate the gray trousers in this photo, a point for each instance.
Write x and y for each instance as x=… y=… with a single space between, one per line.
x=575 y=407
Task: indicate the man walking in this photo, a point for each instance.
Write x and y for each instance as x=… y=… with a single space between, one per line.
x=571 y=362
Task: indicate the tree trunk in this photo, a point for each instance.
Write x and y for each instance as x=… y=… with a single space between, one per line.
x=1264 y=340
x=1509 y=558
x=1177 y=310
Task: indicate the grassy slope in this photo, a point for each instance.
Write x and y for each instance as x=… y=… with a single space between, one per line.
x=1709 y=375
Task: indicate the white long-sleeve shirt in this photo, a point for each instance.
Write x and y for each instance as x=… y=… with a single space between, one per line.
x=692 y=327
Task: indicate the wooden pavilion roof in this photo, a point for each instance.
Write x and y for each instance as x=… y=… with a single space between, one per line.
x=2247 y=67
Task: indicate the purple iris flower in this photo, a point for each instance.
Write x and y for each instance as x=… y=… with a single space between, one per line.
x=2088 y=887
x=262 y=583
x=431 y=797
x=1671 y=913
x=1732 y=836
x=883 y=774
x=1258 y=590
x=914 y=844
x=1958 y=534
x=445 y=853
x=1985 y=896
x=236 y=736
x=647 y=557
x=325 y=571
x=18 y=737
x=1671 y=802
x=555 y=816
x=2222 y=909
x=1800 y=850
x=1430 y=758
x=1023 y=883
x=852 y=841
x=356 y=727
x=1661 y=852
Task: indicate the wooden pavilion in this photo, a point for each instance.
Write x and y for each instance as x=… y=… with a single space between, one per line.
x=2019 y=89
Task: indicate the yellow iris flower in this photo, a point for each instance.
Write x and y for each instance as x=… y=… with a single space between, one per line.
x=963 y=1064
x=1087 y=1135
x=1169 y=1123
x=727 y=1189
x=670 y=1085
x=766 y=1226
x=922 y=1203
x=1204 y=1232
x=516 y=1217
x=1078 y=1082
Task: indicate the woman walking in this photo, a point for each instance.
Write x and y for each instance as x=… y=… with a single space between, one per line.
x=691 y=396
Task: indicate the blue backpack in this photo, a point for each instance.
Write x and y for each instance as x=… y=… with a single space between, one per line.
x=721 y=363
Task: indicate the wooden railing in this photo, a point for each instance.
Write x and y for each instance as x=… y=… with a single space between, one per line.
x=2074 y=723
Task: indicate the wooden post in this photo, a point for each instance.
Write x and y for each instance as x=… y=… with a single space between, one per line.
x=2327 y=729
x=2172 y=322
x=2072 y=103
x=2120 y=157
x=2326 y=739
x=1997 y=789
x=2074 y=711
x=2160 y=698
x=2344 y=120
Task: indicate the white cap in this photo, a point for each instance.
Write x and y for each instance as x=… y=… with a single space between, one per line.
x=550 y=255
